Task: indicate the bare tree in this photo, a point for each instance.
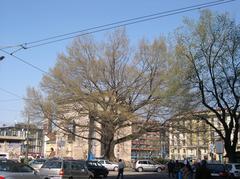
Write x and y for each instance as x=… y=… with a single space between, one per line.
x=112 y=85
x=211 y=48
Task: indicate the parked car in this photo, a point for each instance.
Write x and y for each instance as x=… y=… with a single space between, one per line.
x=97 y=169
x=109 y=165
x=234 y=169
x=148 y=165
x=14 y=170
x=37 y=163
x=218 y=171
x=4 y=155
x=61 y=168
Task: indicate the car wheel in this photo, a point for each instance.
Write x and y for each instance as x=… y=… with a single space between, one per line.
x=140 y=169
x=159 y=170
x=105 y=176
x=115 y=168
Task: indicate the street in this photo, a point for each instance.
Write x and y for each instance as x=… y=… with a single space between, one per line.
x=142 y=175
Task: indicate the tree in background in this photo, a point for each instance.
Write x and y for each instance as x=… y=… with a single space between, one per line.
x=111 y=85
x=210 y=50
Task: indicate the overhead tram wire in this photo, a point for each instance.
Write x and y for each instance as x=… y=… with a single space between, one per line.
x=27 y=63
x=11 y=93
x=24 y=61
x=123 y=21
x=147 y=18
x=98 y=29
x=129 y=22
x=114 y=25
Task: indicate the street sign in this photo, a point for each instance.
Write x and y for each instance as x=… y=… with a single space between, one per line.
x=219 y=147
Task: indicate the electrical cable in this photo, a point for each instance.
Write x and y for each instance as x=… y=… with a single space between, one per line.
x=114 y=25
x=123 y=21
x=24 y=61
x=138 y=20
x=11 y=93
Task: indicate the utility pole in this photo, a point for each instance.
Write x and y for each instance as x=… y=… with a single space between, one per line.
x=27 y=138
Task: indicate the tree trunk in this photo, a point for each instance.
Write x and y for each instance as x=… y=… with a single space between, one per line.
x=230 y=152
x=108 y=148
x=90 y=136
x=110 y=152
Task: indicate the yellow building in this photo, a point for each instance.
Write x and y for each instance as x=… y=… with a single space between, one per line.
x=194 y=139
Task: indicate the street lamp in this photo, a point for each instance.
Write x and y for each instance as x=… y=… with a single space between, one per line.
x=1 y=58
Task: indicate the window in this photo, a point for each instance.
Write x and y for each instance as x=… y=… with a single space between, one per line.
x=67 y=165
x=24 y=168
x=52 y=164
x=142 y=162
x=77 y=165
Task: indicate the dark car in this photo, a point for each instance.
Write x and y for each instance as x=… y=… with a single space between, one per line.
x=218 y=171
x=10 y=169
x=234 y=169
x=97 y=169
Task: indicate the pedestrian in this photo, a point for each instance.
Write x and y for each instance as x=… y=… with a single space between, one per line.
x=202 y=172
x=178 y=171
x=121 y=166
x=171 y=169
x=187 y=171
x=52 y=153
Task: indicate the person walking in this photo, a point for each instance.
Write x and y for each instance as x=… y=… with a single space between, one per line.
x=121 y=166
x=171 y=169
x=178 y=171
x=202 y=172
x=187 y=171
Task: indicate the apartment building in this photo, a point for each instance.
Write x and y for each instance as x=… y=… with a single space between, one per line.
x=150 y=145
x=193 y=139
x=146 y=146
x=16 y=139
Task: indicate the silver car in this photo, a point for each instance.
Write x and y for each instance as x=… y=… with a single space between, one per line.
x=109 y=165
x=65 y=169
x=14 y=170
x=148 y=165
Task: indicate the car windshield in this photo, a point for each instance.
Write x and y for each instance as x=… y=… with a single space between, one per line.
x=108 y=162
x=151 y=162
x=99 y=164
x=39 y=161
x=52 y=164
x=216 y=168
x=91 y=163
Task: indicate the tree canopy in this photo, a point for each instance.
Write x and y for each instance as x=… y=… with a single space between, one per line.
x=210 y=48
x=111 y=84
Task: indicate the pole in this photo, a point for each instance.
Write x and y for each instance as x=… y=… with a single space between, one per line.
x=27 y=139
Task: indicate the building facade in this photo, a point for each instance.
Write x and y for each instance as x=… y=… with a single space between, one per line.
x=195 y=140
x=22 y=138
x=146 y=147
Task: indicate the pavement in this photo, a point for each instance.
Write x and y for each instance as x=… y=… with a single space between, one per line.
x=130 y=174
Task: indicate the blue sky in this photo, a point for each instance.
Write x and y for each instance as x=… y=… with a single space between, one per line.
x=27 y=20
